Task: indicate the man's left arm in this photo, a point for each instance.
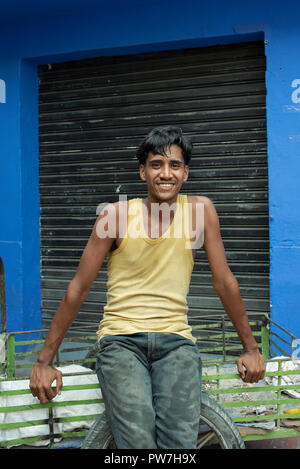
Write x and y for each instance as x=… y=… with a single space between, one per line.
x=227 y=288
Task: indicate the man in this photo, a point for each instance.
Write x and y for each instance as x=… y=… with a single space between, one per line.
x=148 y=364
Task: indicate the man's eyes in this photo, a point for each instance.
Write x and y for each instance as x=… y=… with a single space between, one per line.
x=173 y=165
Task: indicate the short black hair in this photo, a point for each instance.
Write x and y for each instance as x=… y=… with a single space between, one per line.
x=161 y=138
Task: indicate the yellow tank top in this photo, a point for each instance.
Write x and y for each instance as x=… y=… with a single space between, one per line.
x=148 y=279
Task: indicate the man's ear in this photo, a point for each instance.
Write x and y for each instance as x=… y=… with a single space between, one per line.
x=186 y=173
x=142 y=172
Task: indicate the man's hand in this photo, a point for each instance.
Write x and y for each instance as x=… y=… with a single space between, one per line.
x=41 y=378
x=254 y=366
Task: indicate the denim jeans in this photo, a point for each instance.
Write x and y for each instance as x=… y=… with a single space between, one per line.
x=151 y=387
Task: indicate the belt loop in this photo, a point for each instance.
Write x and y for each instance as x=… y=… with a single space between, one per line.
x=148 y=345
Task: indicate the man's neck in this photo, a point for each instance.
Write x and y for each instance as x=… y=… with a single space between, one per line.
x=158 y=217
x=148 y=201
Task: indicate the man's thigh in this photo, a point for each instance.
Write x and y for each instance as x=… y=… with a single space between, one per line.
x=127 y=392
x=176 y=387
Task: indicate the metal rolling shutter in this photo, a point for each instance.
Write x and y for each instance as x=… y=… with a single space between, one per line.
x=93 y=114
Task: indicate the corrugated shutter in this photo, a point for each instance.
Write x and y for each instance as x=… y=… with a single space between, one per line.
x=93 y=114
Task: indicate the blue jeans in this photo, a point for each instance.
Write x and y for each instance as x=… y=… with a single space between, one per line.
x=151 y=387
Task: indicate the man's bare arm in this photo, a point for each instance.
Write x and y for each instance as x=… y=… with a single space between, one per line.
x=43 y=374
x=227 y=288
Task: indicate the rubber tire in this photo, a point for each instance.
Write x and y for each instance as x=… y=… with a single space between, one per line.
x=217 y=417
x=99 y=435
x=212 y=415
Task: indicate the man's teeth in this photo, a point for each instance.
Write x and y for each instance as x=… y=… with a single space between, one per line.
x=166 y=185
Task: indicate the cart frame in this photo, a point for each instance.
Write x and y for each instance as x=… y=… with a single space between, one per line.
x=218 y=344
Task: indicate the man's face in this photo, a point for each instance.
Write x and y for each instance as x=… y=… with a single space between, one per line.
x=164 y=174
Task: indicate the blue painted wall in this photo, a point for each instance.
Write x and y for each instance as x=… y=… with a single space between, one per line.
x=35 y=32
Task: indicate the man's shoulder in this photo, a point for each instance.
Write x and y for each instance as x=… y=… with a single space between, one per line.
x=125 y=202
x=200 y=199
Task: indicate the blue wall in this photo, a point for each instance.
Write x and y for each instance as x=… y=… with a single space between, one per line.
x=33 y=33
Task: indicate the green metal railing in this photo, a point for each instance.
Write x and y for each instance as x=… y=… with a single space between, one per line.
x=48 y=421
x=273 y=340
x=14 y=359
x=277 y=402
x=219 y=346
x=17 y=367
x=226 y=342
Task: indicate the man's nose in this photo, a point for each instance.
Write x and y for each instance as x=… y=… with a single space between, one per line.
x=166 y=172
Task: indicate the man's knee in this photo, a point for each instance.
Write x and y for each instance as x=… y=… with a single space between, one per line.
x=135 y=434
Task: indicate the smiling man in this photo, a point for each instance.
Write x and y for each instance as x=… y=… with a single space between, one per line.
x=148 y=364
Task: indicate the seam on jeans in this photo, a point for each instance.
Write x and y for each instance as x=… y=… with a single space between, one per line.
x=109 y=411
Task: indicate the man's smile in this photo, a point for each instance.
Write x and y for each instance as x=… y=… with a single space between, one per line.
x=166 y=185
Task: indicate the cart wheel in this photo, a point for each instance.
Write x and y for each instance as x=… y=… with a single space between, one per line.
x=99 y=435
x=216 y=428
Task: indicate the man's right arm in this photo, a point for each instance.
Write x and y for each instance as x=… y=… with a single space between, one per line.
x=43 y=374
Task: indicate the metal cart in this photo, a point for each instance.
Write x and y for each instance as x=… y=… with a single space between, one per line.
x=265 y=410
